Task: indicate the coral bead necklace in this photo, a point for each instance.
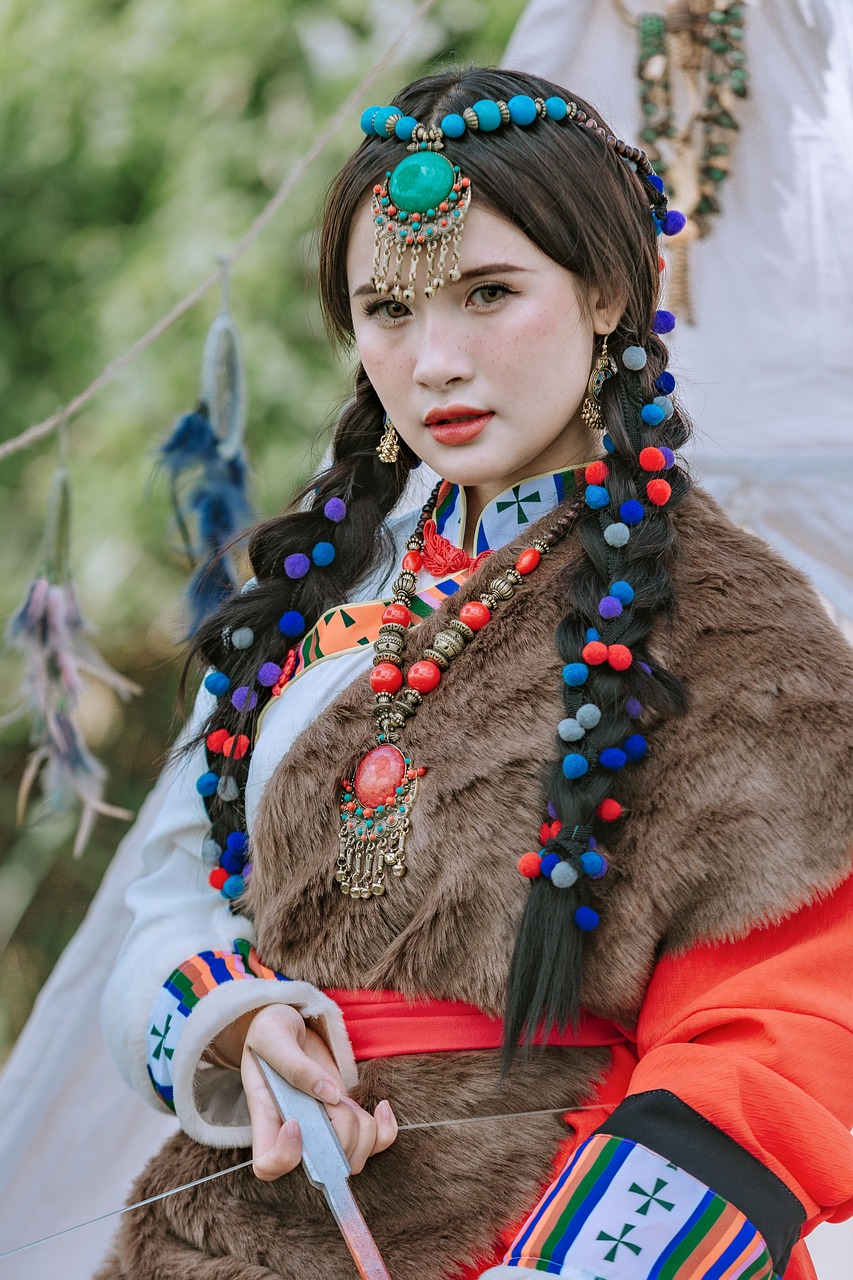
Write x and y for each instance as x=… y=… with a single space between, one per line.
x=376 y=801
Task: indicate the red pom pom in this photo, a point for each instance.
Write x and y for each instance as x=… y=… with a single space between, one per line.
x=475 y=614
x=659 y=492
x=596 y=473
x=661 y=263
x=236 y=747
x=609 y=810
x=530 y=865
x=652 y=460
x=423 y=676
x=619 y=656
x=386 y=678
x=528 y=560
x=397 y=613
x=544 y=832
x=216 y=740
x=556 y=827
x=594 y=653
x=217 y=877
x=413 y=561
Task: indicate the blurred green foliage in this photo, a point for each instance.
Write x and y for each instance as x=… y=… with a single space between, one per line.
x=140 y=138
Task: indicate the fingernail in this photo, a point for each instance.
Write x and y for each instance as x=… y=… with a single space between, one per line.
x=327 y=1092
x=383 y=1111
x=292 y=1131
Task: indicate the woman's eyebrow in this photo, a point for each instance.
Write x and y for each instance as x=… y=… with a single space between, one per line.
x=487 y=269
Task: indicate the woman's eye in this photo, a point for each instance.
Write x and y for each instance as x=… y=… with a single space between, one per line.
x=387 y=309
x=488 y=293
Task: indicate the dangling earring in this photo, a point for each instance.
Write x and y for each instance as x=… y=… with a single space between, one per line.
x=389 y=446
x=604 y=368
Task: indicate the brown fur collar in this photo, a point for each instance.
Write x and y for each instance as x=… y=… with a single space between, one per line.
x=739 y=816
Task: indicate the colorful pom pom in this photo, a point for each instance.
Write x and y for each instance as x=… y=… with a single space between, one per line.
x=564 y=875
x=296 y=565
x=575 y=765
x=609 y=810
x=244 y=699
x=669 y=456
x=664 y=322
x=665 y=383
x=217 y=877
x=595 y=652
x=593 y=865
x=530 y=865
x=322 y=553
x=291 y=623
x=211 y=852
x=664 y=402
x=596 y=497
x=268 y=674
x=592 y=634
x=589 y=715
x=622 y=591
x=656 y=181
x=236 y=747
x=575 y=674
x=652 y=414
x=617 y=535
x=228 y=789
x=674 y=222
x=243 y=638
x=609 y=607
x=586 y=919
x=548 y=863
x=659 y=492
x=232 y=861
x=619 y=657
x=206 y=785
x=635 y=746
x=608 y=443
x=631 y=512
x=335 y=510
x=613 y=758
x=570 y=730
x=635 y=358
x=238 y=841
x=215 y=741
x=652 y=460
x=597 y=472
x=233 y=887
x=634 y=708
x=552 y=812
x=217 y=683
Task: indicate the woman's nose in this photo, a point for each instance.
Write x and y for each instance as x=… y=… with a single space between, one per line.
x=443 y=355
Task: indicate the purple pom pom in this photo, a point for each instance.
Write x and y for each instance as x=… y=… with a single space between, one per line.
x=552 y=812
x=634 y=708
x=243 y=698
x=669 y=456
x=610 y=607
x=335 y=510
x=644 y=666
x=673 y=223
x=268 y=674
x=664 y=322
x=296 y=565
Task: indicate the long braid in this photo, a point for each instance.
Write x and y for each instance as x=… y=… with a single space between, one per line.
x=304 y=561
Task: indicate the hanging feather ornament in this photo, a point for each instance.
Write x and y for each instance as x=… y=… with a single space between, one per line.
x=207 y=469
x=49 y=631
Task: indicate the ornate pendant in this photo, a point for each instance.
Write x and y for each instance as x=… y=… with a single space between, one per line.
x=375 y=808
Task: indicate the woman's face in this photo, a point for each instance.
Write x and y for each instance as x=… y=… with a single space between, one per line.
x=484 y=381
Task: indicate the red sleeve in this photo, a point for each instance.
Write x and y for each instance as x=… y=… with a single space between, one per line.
x=757 y=1036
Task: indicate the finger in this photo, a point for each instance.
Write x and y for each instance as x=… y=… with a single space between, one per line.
x=386 y=1127
x=356 y=1131
x=277 y=1040
x=276 y=1148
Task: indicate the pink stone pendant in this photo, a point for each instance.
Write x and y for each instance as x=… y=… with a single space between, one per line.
x=375 y=807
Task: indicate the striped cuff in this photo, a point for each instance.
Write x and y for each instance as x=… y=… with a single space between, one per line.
x=179 y=995
x=619 y=1211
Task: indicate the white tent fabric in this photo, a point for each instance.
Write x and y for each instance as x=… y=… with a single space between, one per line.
x=767 y=375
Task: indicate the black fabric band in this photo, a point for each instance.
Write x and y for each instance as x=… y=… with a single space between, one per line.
x=662 y=1122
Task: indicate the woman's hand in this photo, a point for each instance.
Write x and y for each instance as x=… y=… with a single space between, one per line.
x=279 y=1035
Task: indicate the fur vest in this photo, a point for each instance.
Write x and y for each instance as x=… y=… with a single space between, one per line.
x=738 y=816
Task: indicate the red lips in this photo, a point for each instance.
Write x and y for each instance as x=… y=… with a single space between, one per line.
x=454 y=413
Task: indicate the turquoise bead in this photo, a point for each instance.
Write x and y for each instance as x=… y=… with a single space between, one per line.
x=522 y=109
x=405 y=127
x=421 y=181
x=367 y=120
x=556 y=109
x=488 y=115
x=453 y=126
x=381 y=118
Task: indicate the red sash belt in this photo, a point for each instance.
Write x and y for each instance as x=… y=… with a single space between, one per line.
x=385 y=1024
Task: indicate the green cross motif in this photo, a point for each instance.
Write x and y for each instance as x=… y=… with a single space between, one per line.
x=518 y=501
x=161 y=1043
x=652 y=1196
x=618 y=1241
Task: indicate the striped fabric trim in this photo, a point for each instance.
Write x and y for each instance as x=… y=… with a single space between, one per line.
x=179 y=995
x=619 y=1211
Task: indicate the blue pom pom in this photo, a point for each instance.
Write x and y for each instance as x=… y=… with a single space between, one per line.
x=291 y=623
x=405 y=127
x=612 y=758
x=522 y=109
x=588 y=716
x=575 y=765
x=634 y=358
x=238 y=841
x=622 y=591
x=631 y=512
x=656 y=181
x=608 y=443
x=564 y=876
x=617 y=535
x=635 y=746
x=674 y=222
x=593 y=865
x=665 y=383
x=453 y=126
x=586 y=919
x=575 y=674
x=548 y=863
x=664 y=402
x=233 y=887
x=652 y=414
x=323 y=553
x=664 y=322
x=217 y=683
x=367 y=120
x=596 y=496
x=592 y=634
x=206 y=785
x=232 y=862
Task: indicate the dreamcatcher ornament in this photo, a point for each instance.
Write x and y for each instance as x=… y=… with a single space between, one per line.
x=691 y=66
x=207 y=468
x=49 y=631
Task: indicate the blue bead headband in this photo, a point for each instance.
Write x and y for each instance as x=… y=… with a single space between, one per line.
x=421 y=204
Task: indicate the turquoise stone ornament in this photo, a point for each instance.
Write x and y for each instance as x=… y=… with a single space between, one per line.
x=421 y=181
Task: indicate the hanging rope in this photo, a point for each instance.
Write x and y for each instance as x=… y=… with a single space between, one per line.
x=345 y=112
x=188 y=1186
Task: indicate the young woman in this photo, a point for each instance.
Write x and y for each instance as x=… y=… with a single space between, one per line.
x=567 y=862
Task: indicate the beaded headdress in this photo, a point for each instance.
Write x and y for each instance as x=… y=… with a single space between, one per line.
x=419 y=207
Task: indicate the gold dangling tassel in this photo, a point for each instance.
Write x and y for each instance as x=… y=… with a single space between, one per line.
x=604 y=368
x=389 y=446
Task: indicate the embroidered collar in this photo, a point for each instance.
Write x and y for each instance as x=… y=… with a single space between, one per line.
x=507 y=515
